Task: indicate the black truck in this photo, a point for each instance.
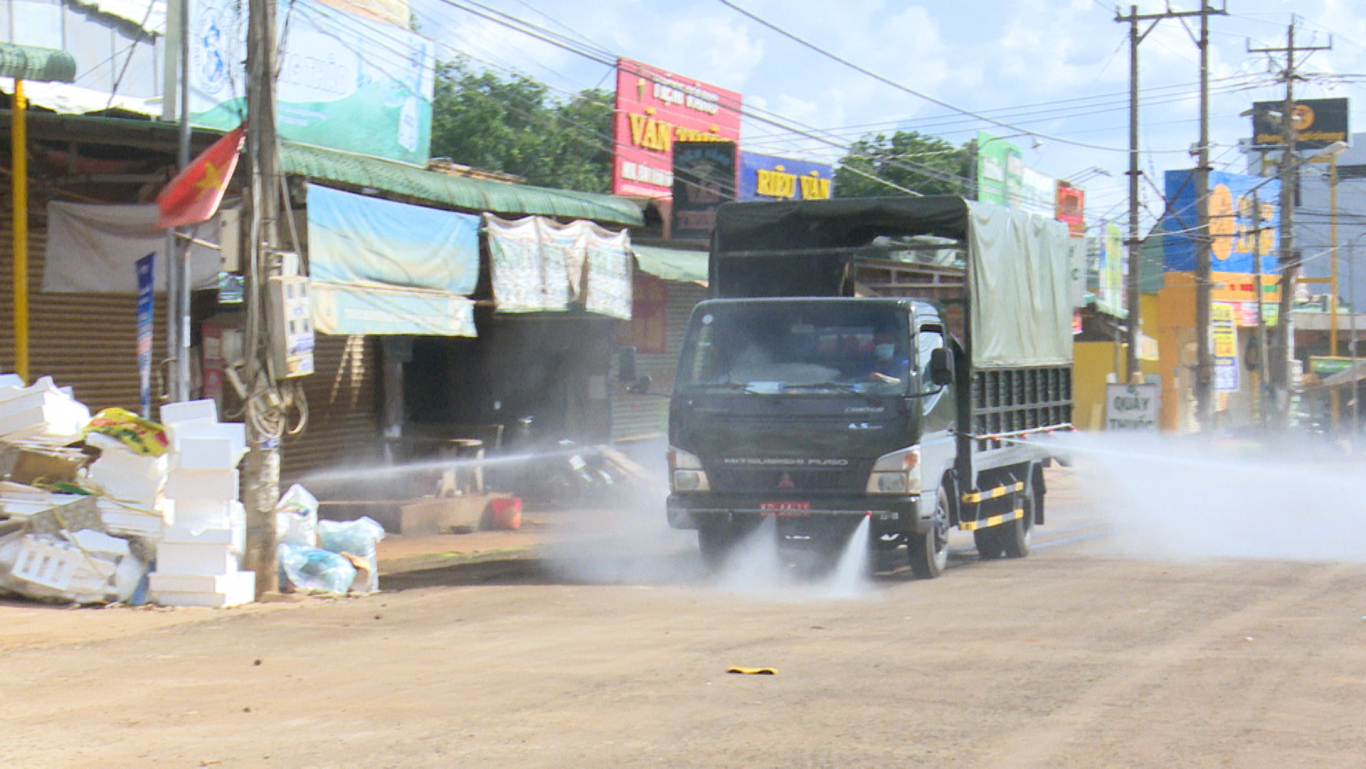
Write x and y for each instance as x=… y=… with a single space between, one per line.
x=893 y=359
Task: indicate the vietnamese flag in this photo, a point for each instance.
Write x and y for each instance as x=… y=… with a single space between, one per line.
x=194 y=194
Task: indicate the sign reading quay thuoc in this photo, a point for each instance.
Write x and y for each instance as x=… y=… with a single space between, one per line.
x=1132 y=408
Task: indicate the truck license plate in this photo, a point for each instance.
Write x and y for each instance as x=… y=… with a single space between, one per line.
x=784 y=507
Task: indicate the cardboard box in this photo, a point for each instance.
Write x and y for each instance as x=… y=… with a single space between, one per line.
x=30 y=463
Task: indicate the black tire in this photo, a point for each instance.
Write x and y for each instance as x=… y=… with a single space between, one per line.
x=1015 y=536
x=715 y=540
x=988 y=543
x=929 y=552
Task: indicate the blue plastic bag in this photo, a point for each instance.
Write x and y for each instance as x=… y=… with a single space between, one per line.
x=314 y=570
x=359 y=538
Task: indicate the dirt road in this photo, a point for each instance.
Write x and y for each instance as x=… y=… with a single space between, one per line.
x=1074 y=657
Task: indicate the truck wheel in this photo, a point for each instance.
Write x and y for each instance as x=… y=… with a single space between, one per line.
x=1015 y=536
x=715 y=540
x=929 y=552
x=988 y=543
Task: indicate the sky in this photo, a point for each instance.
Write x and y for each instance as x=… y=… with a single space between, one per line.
x=1057 y=70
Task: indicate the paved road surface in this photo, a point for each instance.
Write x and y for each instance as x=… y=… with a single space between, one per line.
x=1075 y=657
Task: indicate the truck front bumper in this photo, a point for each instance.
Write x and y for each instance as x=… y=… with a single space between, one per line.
x=889 y=513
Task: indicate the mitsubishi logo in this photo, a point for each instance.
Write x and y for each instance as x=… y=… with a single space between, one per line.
x=785 y=482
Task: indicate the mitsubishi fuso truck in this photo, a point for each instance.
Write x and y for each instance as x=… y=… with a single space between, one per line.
x=890 y=359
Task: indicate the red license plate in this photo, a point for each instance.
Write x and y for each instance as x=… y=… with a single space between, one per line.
x=784 y=507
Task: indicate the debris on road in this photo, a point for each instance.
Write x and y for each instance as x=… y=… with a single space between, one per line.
x=753 y=671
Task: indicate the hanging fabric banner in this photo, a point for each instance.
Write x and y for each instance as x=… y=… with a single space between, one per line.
x=539 y=265
x=609 y=272
x=517 y=267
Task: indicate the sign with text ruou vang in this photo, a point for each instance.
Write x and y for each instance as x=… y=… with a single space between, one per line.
x=1131 y=408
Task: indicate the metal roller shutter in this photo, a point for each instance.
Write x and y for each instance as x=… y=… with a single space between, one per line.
x=642 y=416
x=86 y=341
x=343 y=402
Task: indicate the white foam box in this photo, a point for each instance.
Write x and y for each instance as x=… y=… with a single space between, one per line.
x=195 y=558
x=201 y=513
x=181 y=535
x=65 y=421
x=206 y=454
x=223 y=590
x=233 y=432
x=189 y=411
x=201 y=484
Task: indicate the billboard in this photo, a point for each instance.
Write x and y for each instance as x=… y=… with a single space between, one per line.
x=704 y=178
x=1000 y=170
x=1318 y=123
x=655 y=109
x=769 y=177
x=1038 y=193
x=1232 y=224
x=1114 y=265
x=1071 y=207
x=346 y=82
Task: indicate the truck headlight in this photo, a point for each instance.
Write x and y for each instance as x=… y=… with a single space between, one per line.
x=686 y=473
x=896 y=473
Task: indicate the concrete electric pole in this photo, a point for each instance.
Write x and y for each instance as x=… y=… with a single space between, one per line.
x=1284 y=350
x=261 y=484
x=1204 y=369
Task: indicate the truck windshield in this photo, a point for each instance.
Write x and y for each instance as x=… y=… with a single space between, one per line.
x=803 y=348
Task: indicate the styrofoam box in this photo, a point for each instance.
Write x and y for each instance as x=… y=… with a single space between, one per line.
x=200 y=513
x=235 y=432
x=64 y=421
x=199 y=583
x=201 y=484
x=195 y=558
x=206 y=454
x=189 y=411
x=205 y=536
x=237 y=588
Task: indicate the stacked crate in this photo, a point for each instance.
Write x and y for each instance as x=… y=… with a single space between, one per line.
x=204 y=528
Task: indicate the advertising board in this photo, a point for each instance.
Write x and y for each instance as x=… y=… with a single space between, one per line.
x=656 y=108
x=1070 y=209
x=1233 y=224
x=769 y=177
x=1131 y=408
x=1000 y=170
x=1224 y=344
x=704 y=178
x=1318 y=123
x=346 y=82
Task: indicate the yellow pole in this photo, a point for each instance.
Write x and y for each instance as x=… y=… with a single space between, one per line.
x=19 y=180
x=1333 y=280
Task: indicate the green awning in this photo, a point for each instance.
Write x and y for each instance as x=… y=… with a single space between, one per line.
x=26 y=62
x=476 y=195
x=672 y=263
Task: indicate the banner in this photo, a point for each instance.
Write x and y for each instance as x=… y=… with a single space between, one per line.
x=654 y=109
x=1224 y=344
x=94 y=247
x=769 y=177
x=341 y=309
x=1071 y=206
x=538 y=265
x=146 y=270
x=1318 y=123
x=1000 y=170
x=1114 y=265
x=1233 y=230
x=346 y=82
x=704 y=178
x=363 y=241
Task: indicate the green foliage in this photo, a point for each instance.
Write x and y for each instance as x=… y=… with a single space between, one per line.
x=513 y=125
x=894 y=159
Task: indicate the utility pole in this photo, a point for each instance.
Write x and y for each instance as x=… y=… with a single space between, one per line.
x=1262 y=362
x=261 y=485
x=1284 y=350
x=1204 y=369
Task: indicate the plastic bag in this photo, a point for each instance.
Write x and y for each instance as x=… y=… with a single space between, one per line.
x=314 y=570
x=296 y=517
x=142 y=436
x=358 y=538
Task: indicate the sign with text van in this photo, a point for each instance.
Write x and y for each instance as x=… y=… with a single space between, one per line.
x=1131 y=408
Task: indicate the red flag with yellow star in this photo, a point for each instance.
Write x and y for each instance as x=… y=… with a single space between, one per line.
x=194 y=194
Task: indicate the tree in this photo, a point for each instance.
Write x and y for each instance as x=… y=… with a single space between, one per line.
x=513 y=125
x=918 y=162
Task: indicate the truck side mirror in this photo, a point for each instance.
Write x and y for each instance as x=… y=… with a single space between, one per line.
x=941 y=367
x=626 y=365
